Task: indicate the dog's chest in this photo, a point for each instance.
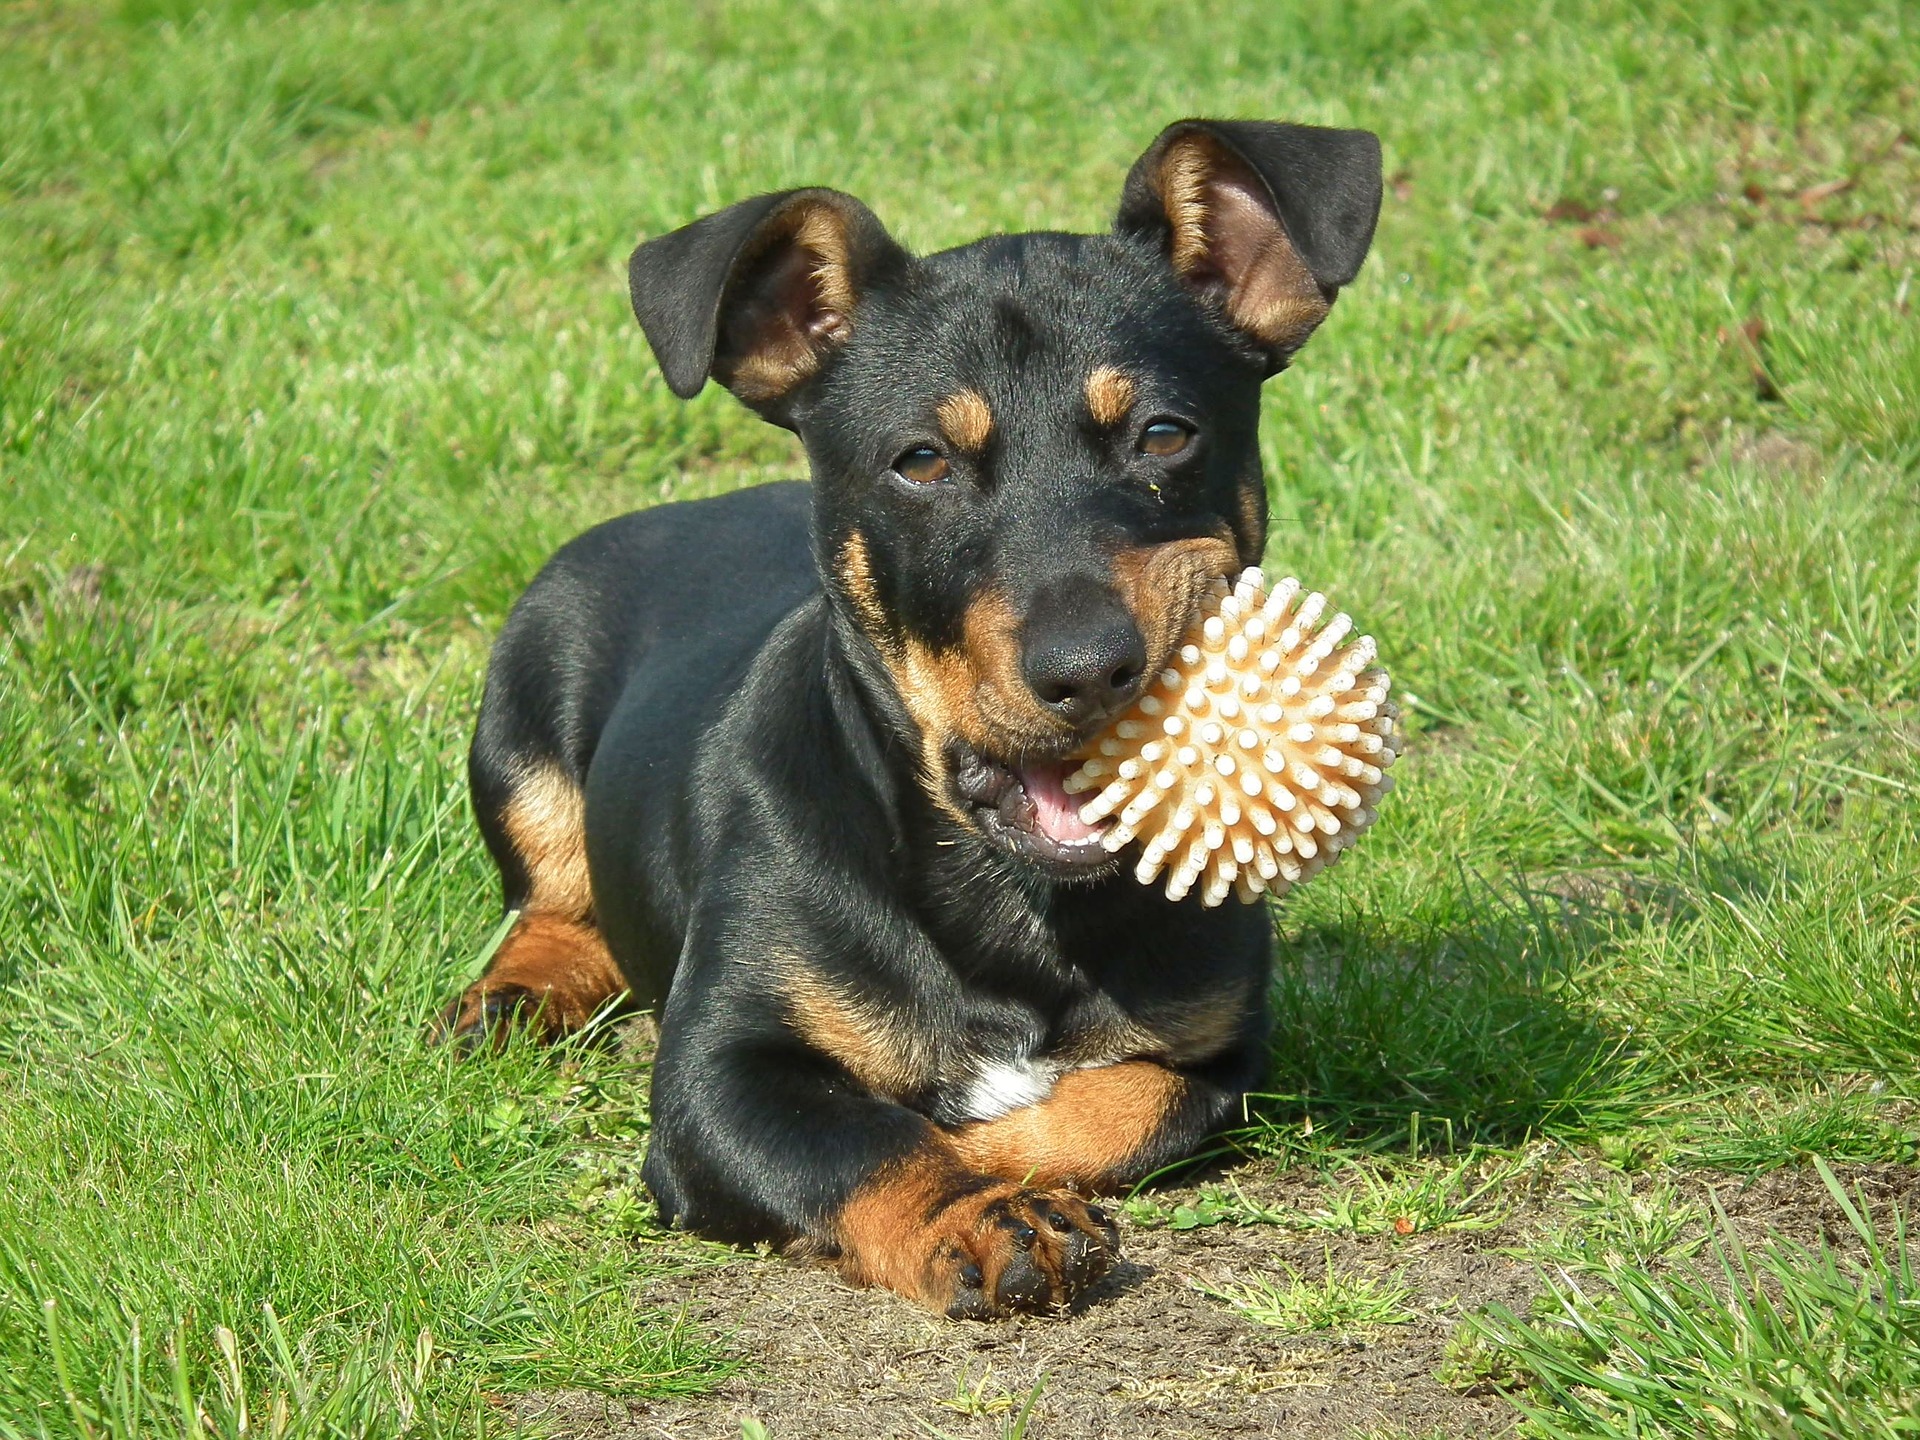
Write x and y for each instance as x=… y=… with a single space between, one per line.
x=998 y=1062
x=998 y=1086
x=1038 y=1002
x=993 y=1075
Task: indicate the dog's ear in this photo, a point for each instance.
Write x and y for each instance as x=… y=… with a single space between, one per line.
x=1264 y=221
x=759 y=295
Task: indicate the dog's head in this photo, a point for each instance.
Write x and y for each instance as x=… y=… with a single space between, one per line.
x=1032 y=453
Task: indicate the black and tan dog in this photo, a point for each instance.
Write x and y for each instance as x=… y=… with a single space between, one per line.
x=786 y=765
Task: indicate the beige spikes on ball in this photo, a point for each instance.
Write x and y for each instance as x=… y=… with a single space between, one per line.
x=1256 y=757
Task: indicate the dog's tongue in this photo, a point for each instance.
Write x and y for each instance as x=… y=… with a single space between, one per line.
x=1056 y=814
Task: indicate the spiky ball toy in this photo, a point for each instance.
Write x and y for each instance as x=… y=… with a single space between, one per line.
x=1256 y=757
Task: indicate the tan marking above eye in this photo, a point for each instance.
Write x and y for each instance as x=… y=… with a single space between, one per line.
x=966 y=420
x=1109 y=395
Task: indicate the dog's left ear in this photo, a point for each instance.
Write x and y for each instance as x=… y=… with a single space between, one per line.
x=1265 y=222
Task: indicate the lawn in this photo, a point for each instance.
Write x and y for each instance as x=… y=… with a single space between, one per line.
x=314 y=342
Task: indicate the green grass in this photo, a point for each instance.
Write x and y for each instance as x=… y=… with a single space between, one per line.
x=1608 y=1227
x=1778 y=1341
x=313 y=343
x=971 y=1400
x=1373 y=1199
x=1341 y=1302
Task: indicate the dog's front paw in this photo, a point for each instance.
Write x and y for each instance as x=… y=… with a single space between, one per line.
x=1029 y=1251
x=975 y=1248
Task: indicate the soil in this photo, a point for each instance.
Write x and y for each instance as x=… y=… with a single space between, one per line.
x=1796 y=1205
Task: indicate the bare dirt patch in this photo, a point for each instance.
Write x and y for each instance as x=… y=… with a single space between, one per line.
x=1152 y=1354
x=1795 y=1205
x=1148 y=1354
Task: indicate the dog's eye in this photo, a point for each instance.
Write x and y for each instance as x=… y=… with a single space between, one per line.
x=923 y=465
x=1164 y=438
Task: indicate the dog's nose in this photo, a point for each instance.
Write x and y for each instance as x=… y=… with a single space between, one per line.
x=1084 y=658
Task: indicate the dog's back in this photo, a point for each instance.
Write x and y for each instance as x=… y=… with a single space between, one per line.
x=649 y=620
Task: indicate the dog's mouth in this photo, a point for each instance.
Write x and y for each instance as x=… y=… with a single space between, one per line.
x=1023 y=806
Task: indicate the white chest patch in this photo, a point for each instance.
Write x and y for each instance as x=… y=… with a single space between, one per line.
x=1001 y=1085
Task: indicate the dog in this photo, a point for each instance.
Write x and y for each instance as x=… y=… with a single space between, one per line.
x=785 y=766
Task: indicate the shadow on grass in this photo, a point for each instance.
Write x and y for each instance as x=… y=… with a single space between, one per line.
x=1463 y=1023
x=1618 y=899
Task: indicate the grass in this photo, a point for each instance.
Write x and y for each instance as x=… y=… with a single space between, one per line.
x=1340 y=1302
x=1372 y=1199
x=1782 y=1340
x=313 y=344
x=1608 y=1228
x=974 y=1397
x=975 y=1403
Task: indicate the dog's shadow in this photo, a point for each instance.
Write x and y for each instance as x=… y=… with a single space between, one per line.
x=1126 y=1276
x=1468 y=1018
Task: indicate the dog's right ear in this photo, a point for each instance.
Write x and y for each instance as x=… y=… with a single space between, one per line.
x=760 y=294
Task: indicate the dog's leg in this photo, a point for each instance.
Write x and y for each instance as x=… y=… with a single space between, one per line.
x=553 y=971
x=1100 y=1128
x=756 y=1137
